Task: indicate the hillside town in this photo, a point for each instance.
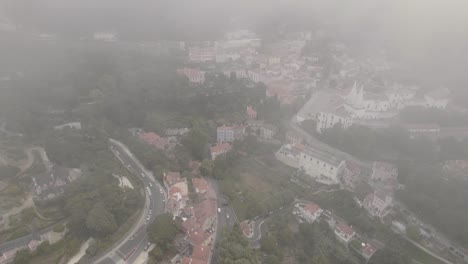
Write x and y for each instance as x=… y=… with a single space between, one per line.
x=276 y=146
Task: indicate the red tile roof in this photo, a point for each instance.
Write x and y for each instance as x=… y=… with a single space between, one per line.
x=353 y=167
x=190 y=225
x=246 y=228
x=204 y=210
x=368 y=250
x=345 y=229
x=251 y=113
x=299 y=147
x=174 y=190
x=220 y=148
x=312 y=208
x=198 y=237
x=201 y=253
x=200 y=185
x=154 y=140
x=172 y=178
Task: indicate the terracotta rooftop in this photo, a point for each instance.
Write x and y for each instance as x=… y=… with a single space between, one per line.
x=201 y=253
x=246 y=228
x=345 y=229
x=198 y=237
x=200 y=185
x=312 y=208
x=220 y=147
x=172 y=178
x=368 y=250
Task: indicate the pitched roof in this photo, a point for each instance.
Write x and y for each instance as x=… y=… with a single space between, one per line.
x=204 y=210
x=246 y=228
x=353 y=167
x=220 y=147
x=200 y=184
x=312 y=208
x=201 y=253
x=323 y=155
x=368 y=250
x=198 y=237
x=172 y=178
x=345 y=229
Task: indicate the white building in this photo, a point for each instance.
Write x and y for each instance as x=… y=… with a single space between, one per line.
x=105 y=36
x=344 y=233
x=329 y=119
x=378 y=204
x=202 y=54
x=227 y=56
x=195 y=76
x=309 y=212
x=437 y=98
x=290 y=154
x=364 y=105
x=268 y=131
x=400 y=96
x=177 y=131
x=322 y=166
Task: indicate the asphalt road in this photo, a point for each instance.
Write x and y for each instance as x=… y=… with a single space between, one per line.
x=226 y=220
x=135 y=241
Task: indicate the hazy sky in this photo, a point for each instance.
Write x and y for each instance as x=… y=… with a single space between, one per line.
x=429 y=33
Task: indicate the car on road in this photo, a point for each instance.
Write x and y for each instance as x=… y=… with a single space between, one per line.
x=147 y=246
x=150 y=184
x=219 y=210
x=227 y=216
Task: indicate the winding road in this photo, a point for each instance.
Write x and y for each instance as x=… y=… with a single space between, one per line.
x=127 y=249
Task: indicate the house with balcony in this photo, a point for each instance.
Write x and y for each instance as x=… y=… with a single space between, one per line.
x=309 y=212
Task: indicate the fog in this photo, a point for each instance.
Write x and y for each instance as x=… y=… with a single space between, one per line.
x=431 y=35
x=234 y=131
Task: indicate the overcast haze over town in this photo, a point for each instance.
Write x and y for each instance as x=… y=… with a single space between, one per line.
x=246 y=132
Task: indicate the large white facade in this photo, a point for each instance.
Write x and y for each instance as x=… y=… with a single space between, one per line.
x=329 y=119
x=322 y=166
x=364 y=105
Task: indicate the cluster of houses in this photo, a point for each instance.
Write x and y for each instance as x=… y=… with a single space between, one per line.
x=166 y=142
x=285 y=72
x=310 y=212
x=197 y=216
x=51 y=184
x=227 y=134
x=332 y=168
x=290 y=74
